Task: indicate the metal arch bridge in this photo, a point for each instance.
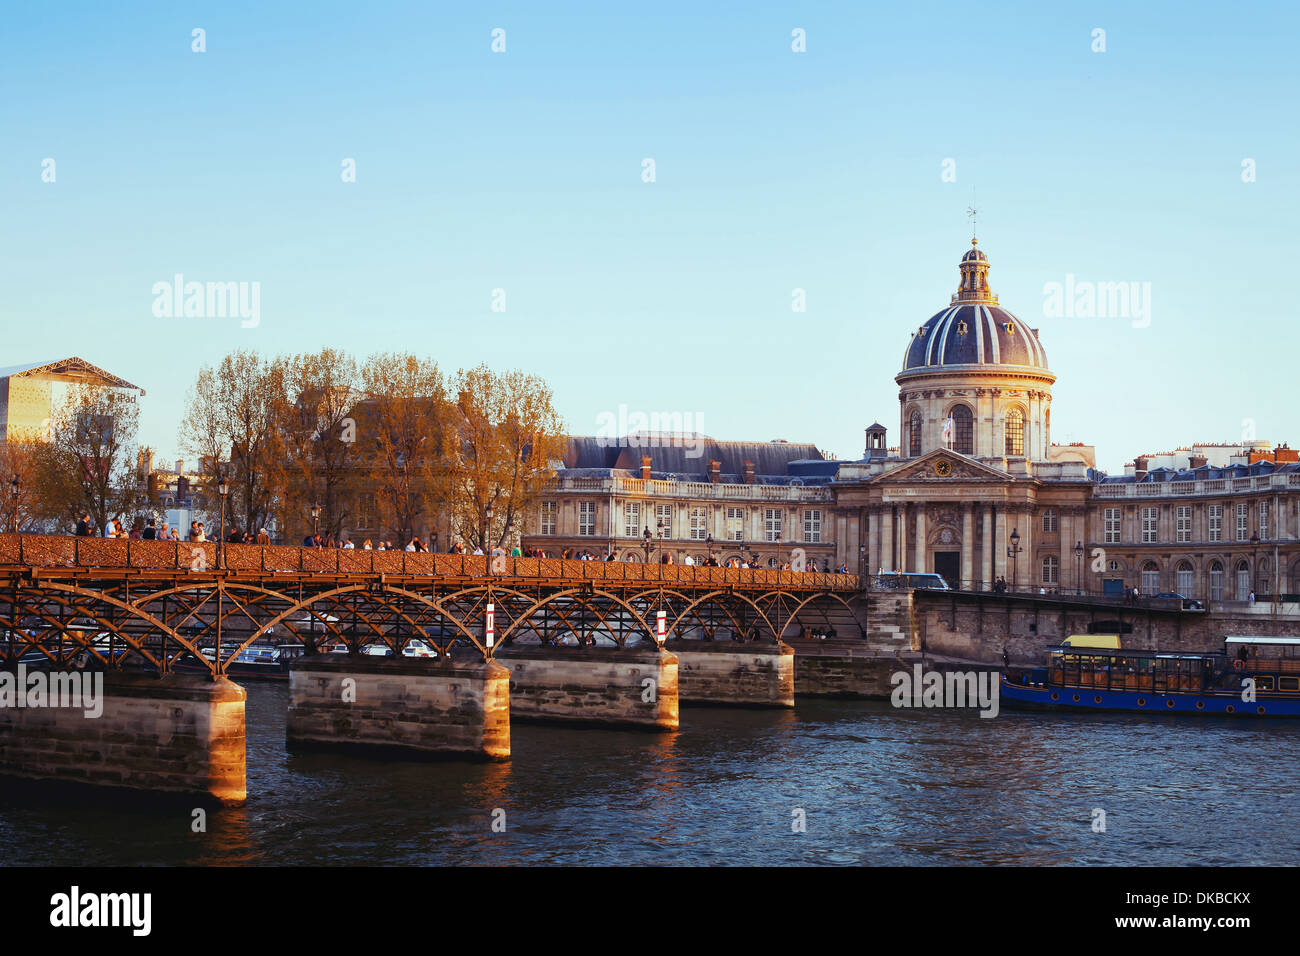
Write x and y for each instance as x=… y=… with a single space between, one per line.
x=68 y=601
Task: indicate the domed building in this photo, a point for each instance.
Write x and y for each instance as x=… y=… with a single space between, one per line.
x=974 y=490
x=975 y=378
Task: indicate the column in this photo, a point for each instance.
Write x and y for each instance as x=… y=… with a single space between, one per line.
x=1028 y=570
x=1000 y=543
x=887 y=538
x=986 y=561
x=920 y=539
x=967 y=546
x=873 y=540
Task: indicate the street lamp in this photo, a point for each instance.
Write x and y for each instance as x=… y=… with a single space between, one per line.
x=1078 y=567
x=708 y=544
x=862 y=562
x=648 y=544
x=14 y=485
x=487 y=528
x=223 y=489
x=315 y=522
x=1012 y=551
x=776 y=544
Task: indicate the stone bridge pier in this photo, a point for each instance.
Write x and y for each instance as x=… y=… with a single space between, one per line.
x=179 y=735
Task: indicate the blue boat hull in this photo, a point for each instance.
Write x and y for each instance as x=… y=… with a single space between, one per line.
x=1035 y=697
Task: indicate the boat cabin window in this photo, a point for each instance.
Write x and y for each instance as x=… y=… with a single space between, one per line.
x=1288 y=683
x=1263 y=682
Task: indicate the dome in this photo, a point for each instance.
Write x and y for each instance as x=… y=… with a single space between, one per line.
x=974 y=329
x=974 y=335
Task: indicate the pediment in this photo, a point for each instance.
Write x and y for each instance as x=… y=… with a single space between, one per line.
x=942 y=465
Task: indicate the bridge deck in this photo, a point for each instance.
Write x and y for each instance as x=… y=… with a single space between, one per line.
x=70 y=557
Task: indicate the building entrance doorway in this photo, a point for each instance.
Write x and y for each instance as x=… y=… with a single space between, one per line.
x=948 y=563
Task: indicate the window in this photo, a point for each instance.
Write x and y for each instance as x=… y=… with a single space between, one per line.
x=631 y=519
x=914 y=435
x=1112 y=519
x=1243 y=532
x=663 y=513
x=1216 y=581
x=699 y=524
x=1183 y=522
x=812 y=526
x=1051 y=570
x=1150 y=578
x=1216 y=524
x=736 y=524
x=1263 y=520
x=963 y=430
x=771 y=524
x=366 y=510
x=1186 y=580
x=1049 y=521
x=548 y=517
x=1150 y=518
x=587 y=518
x=1243 y=581
x=1014 y=427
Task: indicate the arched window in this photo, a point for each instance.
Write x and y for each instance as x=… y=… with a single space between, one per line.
x=1243 y=581
x=1263 y=578
x=1051 y=570
x=963 y=430
x=914 y=435
x=1150 y=578
x=1216 y=581
x=1014 y=427
x=1186 y=579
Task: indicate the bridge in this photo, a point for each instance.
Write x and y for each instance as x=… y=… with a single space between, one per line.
x=151 y=604
x=163 y=624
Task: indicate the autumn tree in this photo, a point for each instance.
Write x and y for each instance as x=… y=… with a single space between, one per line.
x=501 y=446
x=399 y=439
x=22 y=509
x=89 y=464
x=318 y=437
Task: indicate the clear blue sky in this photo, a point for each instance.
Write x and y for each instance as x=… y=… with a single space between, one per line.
x=775 y=171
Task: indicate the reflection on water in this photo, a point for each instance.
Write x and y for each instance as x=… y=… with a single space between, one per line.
x=877 y=786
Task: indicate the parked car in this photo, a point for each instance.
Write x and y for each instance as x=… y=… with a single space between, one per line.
x=905 y=580
x=1189 y=604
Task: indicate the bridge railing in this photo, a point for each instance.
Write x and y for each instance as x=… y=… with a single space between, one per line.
x=53 y=551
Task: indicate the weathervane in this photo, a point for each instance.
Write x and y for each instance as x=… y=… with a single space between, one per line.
x=972 y=212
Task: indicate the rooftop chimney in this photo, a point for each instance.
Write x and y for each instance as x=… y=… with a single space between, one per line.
x=645 y=467
x=1196 y=461
x=1140 y=467
x=715 y=472
x=180 y=466
x=749 y=473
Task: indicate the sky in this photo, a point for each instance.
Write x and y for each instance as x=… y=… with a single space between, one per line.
x=1170 y=159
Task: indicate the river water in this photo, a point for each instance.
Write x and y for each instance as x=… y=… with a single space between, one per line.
x=832 y=782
